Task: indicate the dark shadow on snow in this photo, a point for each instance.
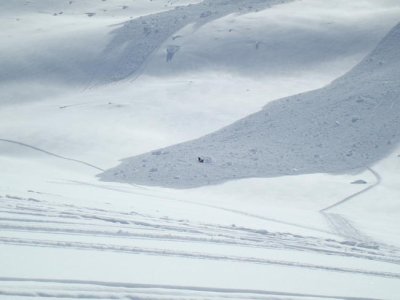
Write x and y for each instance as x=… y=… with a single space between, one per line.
x=350 y=124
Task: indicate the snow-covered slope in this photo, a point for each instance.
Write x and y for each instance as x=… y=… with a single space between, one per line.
x=47 y=82
x=144 y=35
x=350 y=124
x=66 y=234
x=96 y=44
x=294 y=39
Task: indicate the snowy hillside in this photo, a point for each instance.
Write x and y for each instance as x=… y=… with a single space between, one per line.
x=54 y=77
x=297 y=200
x=350 y=124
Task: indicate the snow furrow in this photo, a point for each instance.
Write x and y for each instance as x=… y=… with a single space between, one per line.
x=78 y=288
x=184 y=254
x=51 y=154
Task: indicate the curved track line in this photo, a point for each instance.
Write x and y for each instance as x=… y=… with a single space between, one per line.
x=378 y=182
x=343 y=226
x=225 y=209
x=175 y=287
x=254 y=216
x=52 y=154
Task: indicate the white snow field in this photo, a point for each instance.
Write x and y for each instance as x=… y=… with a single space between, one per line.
x=298 y=200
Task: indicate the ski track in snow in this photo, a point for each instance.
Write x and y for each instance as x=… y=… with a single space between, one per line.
x=368 y=188
x=58 y=224
x=224 y=209
x=51 y=154
x=190 y=255
x=119 y=290
x=149 y=195
x=62 y=224
x=345 y=227
x=340 y=224
x=24 y=215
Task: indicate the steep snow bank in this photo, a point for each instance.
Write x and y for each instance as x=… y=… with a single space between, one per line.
x=350 y=124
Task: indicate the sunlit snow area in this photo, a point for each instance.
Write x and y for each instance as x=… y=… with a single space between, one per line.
x=188 y=149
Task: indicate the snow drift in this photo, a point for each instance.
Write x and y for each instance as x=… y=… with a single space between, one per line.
x=349 y=124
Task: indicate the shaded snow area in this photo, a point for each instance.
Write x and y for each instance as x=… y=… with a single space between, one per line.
x=122 y=52
x=350 y=124
x=297 y=199
x=144 y=35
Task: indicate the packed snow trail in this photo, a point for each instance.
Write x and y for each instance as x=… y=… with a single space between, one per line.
x=51 y=154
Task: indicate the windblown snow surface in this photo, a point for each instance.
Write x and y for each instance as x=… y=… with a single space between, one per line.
x=86 y=83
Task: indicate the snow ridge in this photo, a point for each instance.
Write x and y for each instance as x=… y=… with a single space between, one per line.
x=134 y=42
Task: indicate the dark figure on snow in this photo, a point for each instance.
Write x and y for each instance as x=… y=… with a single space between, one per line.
x=200 y=160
